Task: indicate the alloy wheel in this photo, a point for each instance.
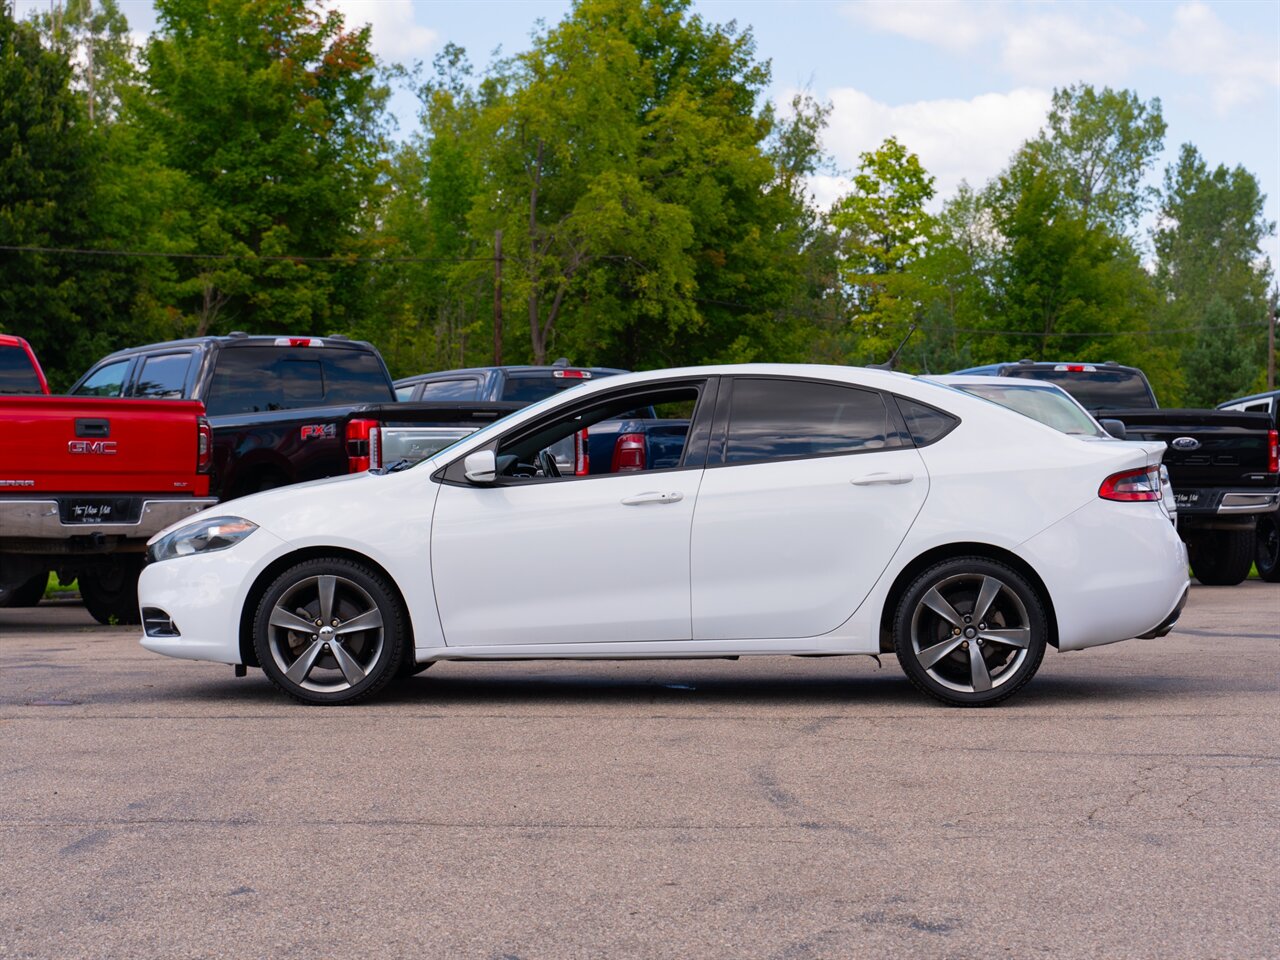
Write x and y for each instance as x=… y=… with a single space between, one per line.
x=325 y=633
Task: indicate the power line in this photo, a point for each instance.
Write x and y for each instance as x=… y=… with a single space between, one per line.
x=158 y=254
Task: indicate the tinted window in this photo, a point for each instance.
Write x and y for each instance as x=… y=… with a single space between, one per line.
x=259 y=379
x=925 y=424
x=163 y=376
x=404 y=393
x=528 y=387
x=1039 y=403
x=355 y=376
x=105 y=382
x=1095 y=389
x=785 y=418
x=16 y=373
x=464 y=389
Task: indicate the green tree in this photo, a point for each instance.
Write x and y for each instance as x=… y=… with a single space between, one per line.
x=94 y=36
x=651 y=212
x=1101 y=145
x=272 y=114
x=884 y=233
x=1219 y=364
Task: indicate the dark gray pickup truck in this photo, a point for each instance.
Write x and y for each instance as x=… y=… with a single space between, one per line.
x=1222 y=463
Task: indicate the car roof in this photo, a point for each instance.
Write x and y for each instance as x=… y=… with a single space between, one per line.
x=484 y=371
x=239 y=340
x=1265 y=395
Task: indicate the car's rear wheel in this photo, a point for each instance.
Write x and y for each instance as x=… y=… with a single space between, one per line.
x=330 y=631
x=1267 y=551
x=110 y=590
x=1221 y=558
x=970 y=631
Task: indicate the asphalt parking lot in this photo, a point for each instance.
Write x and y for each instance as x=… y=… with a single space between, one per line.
x=1126 y=804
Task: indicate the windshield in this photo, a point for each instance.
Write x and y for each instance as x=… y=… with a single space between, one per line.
x=1096 y=389
x=1050 y=407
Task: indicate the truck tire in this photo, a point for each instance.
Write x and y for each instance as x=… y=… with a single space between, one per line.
x=1221 y=558
x=1267 y=552
x=27 y=594
x=110 y=591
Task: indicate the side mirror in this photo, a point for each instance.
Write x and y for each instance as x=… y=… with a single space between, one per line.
x=1114 y=427
x=480 y=467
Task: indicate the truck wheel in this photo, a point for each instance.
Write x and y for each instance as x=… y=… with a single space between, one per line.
x=1267 y=553
x=27 y=594
x=110 y=591
x=1221 y=558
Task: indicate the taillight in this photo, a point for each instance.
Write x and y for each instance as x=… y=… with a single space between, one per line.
x=1130 y=485
x=204 y=446
x=1075 y=367
x=1273 y=455
x=628 y=453
x=581 y=456
x=571 y=374
x=362 y=445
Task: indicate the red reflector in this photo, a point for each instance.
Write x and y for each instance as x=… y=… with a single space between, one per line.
x=1273 y=456
x=204 y=446
x=1132 y=485
x=581 y=455
x=628 y=453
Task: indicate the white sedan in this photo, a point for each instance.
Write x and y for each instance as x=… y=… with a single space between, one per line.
x=807 y=510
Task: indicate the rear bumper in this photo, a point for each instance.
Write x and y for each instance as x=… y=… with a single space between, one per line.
x=1165 y=625
x=1203 y=503
x=42 y=519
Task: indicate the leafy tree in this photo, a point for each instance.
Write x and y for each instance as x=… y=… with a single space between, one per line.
x=1101 y=144
x=271 y=112
x=94 y=35
x=885 y=231
x=1219 y=364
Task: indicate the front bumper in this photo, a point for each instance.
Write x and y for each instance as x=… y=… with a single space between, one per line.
x=202 y=596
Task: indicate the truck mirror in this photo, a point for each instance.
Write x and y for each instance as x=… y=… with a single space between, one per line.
x=480 y=467
x=1114 y=427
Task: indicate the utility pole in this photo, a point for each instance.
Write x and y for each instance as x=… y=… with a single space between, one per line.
x=497 y=298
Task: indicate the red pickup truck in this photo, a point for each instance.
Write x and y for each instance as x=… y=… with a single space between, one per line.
x=85 y=482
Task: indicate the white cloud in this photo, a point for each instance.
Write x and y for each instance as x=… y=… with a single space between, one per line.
x=395 y=34
x=952 y=24
x=1060 y=50
x=955 y=139
x=1238 y=68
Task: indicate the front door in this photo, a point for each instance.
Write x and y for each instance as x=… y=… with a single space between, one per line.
x=540 y=558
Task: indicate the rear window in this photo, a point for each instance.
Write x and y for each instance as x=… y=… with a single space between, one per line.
x=461 y=389
x=16 y=373
x=261 y=379
x=1039 y=403
x=1095 y=389
x=529 y=387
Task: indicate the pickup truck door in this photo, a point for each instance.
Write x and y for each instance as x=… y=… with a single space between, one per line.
x=600 y=557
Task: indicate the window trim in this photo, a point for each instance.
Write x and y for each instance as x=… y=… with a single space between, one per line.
x=453 y=474
x=895 y=428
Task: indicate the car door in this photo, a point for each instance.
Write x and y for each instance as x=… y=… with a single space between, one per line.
x=809 y=489
x=598 y=556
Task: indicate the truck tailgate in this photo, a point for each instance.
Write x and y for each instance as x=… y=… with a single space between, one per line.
x=85 y=445
x=1206 y=447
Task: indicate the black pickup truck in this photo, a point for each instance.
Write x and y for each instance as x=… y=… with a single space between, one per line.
x=1222 y=463
x=284 y=409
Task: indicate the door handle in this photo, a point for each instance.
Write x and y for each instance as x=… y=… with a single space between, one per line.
x=652 y=497
x=872 y=479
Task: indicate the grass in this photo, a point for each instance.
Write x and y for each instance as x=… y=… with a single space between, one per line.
x=56 y=589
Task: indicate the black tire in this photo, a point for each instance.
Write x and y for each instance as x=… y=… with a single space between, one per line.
x=335 y=663
x=1221 y=558
x=1266 y=552
x=110 y=590
x=950 y=653
x=29 y=593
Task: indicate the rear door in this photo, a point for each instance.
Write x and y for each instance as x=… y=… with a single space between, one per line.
x=809 y=489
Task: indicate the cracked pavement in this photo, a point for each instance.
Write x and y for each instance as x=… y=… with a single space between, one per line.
x=1125 y=804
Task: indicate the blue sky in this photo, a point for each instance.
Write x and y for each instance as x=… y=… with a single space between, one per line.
x=961 y=82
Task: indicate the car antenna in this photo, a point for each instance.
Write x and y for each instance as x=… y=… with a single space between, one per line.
x=888 y=364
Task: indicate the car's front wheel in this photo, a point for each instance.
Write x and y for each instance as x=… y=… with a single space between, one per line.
x=330 y=631
x=970 y=632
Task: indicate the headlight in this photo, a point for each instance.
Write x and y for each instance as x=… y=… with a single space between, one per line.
x=203 y=536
